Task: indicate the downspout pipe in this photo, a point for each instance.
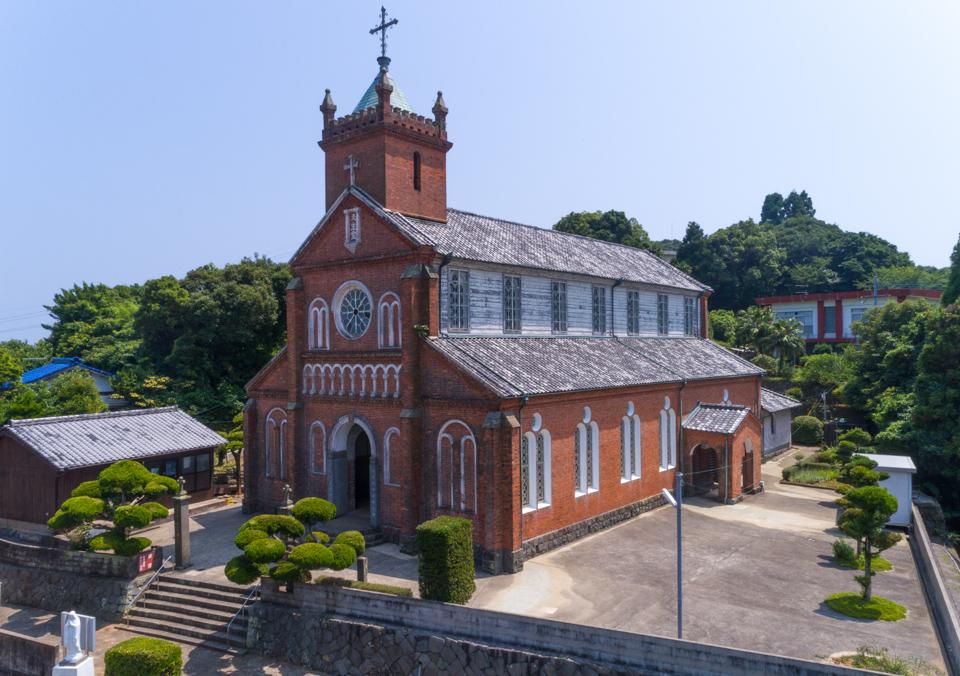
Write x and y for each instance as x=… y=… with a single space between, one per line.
x=445 y=261
x=524 y=399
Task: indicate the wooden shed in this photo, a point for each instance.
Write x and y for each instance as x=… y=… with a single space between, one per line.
x=43 y=459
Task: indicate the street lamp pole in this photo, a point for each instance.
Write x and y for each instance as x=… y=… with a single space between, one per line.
x=677 y=501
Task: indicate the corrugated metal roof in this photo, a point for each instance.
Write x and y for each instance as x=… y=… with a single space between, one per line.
x=719 y=418
x=772 y=402
x=56 y=365
x=516 y=366
x=73 y=441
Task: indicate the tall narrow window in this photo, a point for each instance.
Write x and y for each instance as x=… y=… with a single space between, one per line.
x=511 y=304
x=663 y=314
x=668 y=436
x=558 y=308
x=416 y=171
x=633 y=312
x=525 y=470
x=690 y=316
x=599 y=310
x=541 y=471
x=318 y=448
x=579 y=462
x=459 y=300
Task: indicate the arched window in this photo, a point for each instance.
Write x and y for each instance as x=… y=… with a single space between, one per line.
x=580 y=460
x=456 y=467
x=318 y=325
x=668 y=436
x=391 y=435
x=274 y=446
x=388 y=320
x=416 y=171
x=587 y=453
x=535 y=462
x=318 y=448
x=630 y=444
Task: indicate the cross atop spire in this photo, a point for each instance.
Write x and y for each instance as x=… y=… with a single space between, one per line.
x=382 y=29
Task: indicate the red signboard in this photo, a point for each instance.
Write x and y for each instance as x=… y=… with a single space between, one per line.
x=145 y=561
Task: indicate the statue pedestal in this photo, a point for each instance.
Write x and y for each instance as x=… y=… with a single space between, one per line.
x=82 y=668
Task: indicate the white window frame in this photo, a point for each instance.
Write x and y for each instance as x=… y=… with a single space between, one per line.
x=668 y=436
x=317 y=426
x=690 y=316
x=663 y=314
x=512 y=289
x=462 y=325
x=598 y=307
x=633 y=312
x=388 y=436
x=351 y=228
x=389 y=321
x=558 y=306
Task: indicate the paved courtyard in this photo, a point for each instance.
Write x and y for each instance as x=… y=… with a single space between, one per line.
x=755 y=576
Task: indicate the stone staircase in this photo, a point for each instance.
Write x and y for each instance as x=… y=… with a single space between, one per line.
x=191 y=611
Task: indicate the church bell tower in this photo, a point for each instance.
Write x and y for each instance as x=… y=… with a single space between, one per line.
x=383 y=147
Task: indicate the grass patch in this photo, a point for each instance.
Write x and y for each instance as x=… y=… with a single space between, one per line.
x=813 y=476
x=880 y=659
x=366 y=586
x=852 y=604
x=879 y=564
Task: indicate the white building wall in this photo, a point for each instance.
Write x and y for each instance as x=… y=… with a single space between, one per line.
x=776 y=431
x=900 y=484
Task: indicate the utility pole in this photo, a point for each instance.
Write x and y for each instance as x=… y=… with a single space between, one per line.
x=677 y=501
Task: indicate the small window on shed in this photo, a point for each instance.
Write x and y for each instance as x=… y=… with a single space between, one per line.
x=416 y=171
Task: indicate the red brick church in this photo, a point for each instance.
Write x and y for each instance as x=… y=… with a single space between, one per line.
x=541 y=384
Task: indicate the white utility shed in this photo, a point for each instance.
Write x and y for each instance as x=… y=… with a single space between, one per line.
x=901 y=470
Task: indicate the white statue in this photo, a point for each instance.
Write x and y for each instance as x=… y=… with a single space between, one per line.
x=70 y=638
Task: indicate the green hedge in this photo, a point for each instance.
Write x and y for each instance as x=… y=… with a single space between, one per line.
x=807 y=430
x=143 y=656
x=445 y=545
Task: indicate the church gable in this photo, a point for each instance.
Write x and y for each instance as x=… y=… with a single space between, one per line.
x=273 y=376
x=354 y=227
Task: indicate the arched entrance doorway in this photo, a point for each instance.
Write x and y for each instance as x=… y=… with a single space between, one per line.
x=353 y=482
x=705 y=469
x=360 y=445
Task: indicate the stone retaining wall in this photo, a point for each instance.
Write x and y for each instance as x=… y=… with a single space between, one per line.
x=26 y=656
x=348 y=631
x=63 y=579
x=561 y=536
x=941 y=606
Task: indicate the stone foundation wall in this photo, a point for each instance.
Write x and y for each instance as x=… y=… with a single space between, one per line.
x=26 y=656
x=348 y=631
x=562 y=536
x=58 y=579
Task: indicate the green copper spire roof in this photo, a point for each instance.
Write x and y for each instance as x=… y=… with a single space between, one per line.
x=369 y=98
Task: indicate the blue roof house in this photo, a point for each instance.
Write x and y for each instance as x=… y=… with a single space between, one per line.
x=57 y=366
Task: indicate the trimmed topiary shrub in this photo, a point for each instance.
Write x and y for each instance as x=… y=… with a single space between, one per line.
x=807 y=430
x=115 y=501
x=287 y=549
x=445 y=546
x=794 y=392
x=843 y=553
x=858 y=437
x=143 y=656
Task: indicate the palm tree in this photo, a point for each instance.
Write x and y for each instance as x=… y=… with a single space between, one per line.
x=784 y=339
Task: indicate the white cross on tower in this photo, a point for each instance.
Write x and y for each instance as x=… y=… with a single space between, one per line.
x=351 y=166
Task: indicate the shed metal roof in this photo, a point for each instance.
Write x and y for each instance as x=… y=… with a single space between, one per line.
x=56 y=365
x=773 y=402
x=73 y=441
x=720 y=418
x=893 y=463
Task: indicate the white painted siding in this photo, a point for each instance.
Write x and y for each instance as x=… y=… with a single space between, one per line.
x=486 y=304
x=776 y=435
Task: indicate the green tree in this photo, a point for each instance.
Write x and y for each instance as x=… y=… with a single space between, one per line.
x=610 y=226
x=909 y=277
x=75 y=392
x=723 y=326
x=95 y=322
x=820 y=373
x=25 y=401
x=235 y=443
x=936 y=412
x=798 y=205
x=120 y=499
x=772 y=210
x=754 y=326
x=28 y=355
x=10 y=368
x=865 y=514
x=952 y=290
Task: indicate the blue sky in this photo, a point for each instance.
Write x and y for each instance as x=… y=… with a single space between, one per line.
x=139 y=139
